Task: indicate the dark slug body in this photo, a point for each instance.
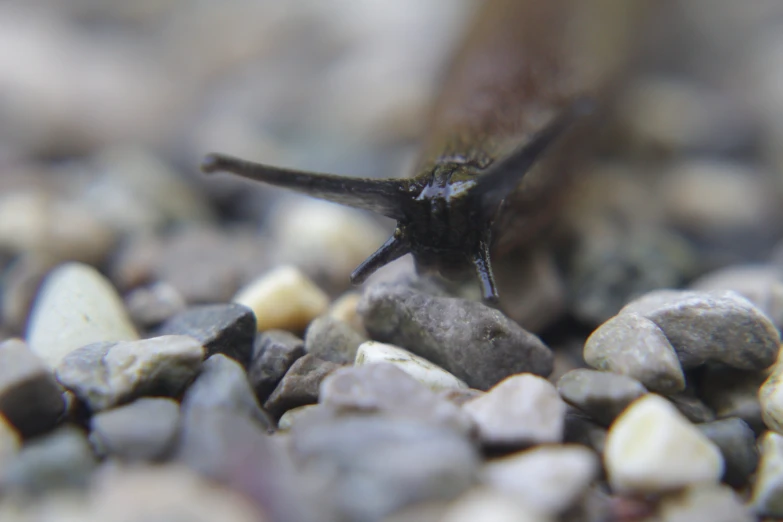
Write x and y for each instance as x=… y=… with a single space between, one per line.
x=529 y=73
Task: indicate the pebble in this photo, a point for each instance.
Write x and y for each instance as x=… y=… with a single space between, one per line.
x=601 y=395
x=152 y=305
x=431 y=375
x=30 y=398
x=228 y=329
x=145 y=429
x=344 y=309
x=390 y=391
x=475 y=343
x=737 y=443
x=632 y=345
x=770 y=398
x=768 y=485
x=549 y=479
x=20 y=283
x=332 y=340
x=283 y=299
x=222 y=384
x=521 y=410
x=733 y=393
x=10 y=441
x=107 y=374
x=711 y=326
x=294 y=414
x=300 y=385
x=274 y=351
x=580 y=429
x=692 y=407
x=652 y=448
x=704 y=503
x=490 y=506
x=460 y=396
x=76 y=306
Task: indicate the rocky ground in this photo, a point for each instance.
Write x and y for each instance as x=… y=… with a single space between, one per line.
x=180 y=348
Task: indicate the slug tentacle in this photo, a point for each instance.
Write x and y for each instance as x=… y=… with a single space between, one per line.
x=394 y=248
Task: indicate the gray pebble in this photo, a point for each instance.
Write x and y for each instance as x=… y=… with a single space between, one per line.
x=274 y=351
x=632 y=345
x=476 y=343
x=152 y=305
x=222 y=328
x=106 y=374
x=733 y=393
x=300 y=385
x=222 y=384
x=30 y=398
x=601 y=395
x=711 y=326
x=332 y=340
x=737 y=442
x=142 y=430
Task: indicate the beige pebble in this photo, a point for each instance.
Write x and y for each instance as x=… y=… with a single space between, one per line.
x=427 y=373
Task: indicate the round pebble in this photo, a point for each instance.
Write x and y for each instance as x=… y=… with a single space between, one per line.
x=422 y=370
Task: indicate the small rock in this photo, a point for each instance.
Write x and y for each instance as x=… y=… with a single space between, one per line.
x=332 y=340
x=711 y=326
x=550 y=479
x=222 y=384
x=460 y=396
x=737 y=443
x=20 y=283
x=733 y=393
x=601 y=395
x=422 y=370
x=632 y=345
x=291 y=416
x=344 y=308
x=521 y=410
x=692 y=407
x=768 y=486
x=142 y=430
x=579 y=429
x=705 y=503
x=30 y=398
x=477 y=344
x=770 y=398
x=300 y=385
x=652 y=448
x=152 y=305
x=107 y=374
x=222 y=328
x=10 y=441
x=62 y=459
x=76 y=306
x=283 y=299
x=388 y=390
x=274 y=351
x=490 y=506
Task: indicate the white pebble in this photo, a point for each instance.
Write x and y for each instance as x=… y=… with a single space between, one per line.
x=427 y=373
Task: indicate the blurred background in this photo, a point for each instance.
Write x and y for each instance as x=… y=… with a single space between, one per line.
x=106 y=109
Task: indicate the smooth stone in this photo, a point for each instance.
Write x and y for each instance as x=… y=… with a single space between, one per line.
x=222 y=328
x=274 y=351
x=475 y=343
x=632 y=345
x=601 y=395
x=705 y=503
x=767 y=497
x=10 y=441
x=521 y=410
x=62 y=459
x=653 y=448
x=344 y=308
x=222 y=384
x=294 y=414
x=76 y=306
x=152 y=305
x=733 y=393
x=332 y=340
x=300 y=385
x=487 y=505
x=737 y=443
x=719 y=327
x=20 y=282
x=30 y=398
x=694 y=409
x=427 y=373
x=387 y=390
x=549 y=479
x=283 y=299
x=107 y=374
x=145 y=429
x=770 y=398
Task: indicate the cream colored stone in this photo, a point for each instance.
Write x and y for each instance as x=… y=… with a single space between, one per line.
x=427 y=373
x=767 y=499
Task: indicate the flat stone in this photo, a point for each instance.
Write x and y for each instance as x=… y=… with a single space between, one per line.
x=107 y=374
x=733 y=393
x=222 y=328
x=222 y=384
x=475 y=343
x=704 y=503
x=490 y=506
x=332 y=340
x=30 y=398
x=152 y=305
x=549 y=479
x=768 y=485
x=427 y=373
x=76 y=306
x=300 y=385
x=389 y=391
x=711 y=326
x=145 y=429
x=632 y=345
x=283 y=299
x=601 y=395
x=737 y=443
x=274 y=351
x=521 y=410
x=652 y=448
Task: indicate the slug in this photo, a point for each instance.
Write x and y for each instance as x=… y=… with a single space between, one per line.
x=528 y=73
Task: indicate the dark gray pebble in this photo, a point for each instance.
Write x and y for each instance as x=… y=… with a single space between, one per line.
x=332 y=340
x=300 y=385
x=737 y=443
x=274 y=351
